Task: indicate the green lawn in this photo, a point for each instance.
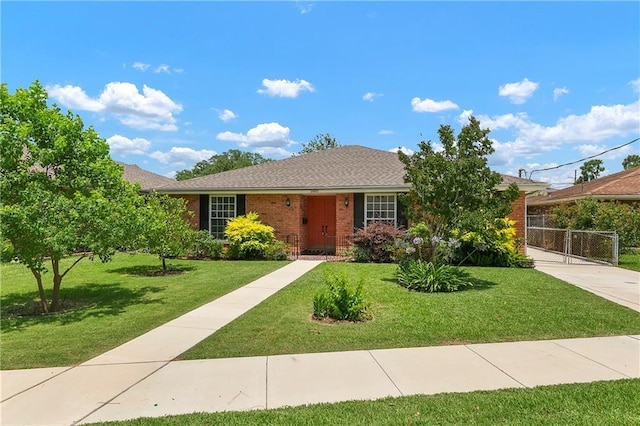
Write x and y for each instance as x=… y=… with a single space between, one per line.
x=589 y=404
x=630 y=260
x=506 y=304
x=114 y=302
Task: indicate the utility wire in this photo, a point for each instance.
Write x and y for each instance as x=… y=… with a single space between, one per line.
x=583 y=159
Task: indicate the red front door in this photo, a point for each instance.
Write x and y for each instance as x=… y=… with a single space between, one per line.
x=321 y=223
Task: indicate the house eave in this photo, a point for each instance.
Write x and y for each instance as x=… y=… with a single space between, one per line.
x=285 y=190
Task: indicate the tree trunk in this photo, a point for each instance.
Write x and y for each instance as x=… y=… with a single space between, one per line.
x=57 y=280
x=164 y=266
x=43 y=297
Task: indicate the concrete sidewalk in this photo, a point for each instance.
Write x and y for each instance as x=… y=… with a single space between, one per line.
x=91 y=393
x=619 y=285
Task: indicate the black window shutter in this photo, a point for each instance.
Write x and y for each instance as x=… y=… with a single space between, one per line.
x=204 y=212
x=241 y=204
x=358 y=210
x=402 y=221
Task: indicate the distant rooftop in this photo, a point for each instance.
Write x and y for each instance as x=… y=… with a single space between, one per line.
x=624 y=185
x=146 y=179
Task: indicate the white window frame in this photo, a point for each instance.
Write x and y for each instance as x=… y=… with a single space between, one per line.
x=378 y=219
x=211 y=218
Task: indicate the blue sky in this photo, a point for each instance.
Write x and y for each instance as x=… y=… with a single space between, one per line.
x=171 y=83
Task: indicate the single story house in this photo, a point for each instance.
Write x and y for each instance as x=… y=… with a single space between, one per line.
x=623 y=186
x=314 y=201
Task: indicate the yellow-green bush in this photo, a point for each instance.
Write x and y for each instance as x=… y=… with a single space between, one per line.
x=251 y=239
x=496 y=245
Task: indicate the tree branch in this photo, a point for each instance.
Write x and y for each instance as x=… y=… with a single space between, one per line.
x=74 y=264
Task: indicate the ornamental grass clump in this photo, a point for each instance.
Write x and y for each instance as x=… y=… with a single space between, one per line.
x=430 y=277
x=339 y=300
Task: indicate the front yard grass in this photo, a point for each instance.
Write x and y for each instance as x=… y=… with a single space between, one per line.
x=630 y=260
x=598 y=403
x=505 y=304
x=112 y=303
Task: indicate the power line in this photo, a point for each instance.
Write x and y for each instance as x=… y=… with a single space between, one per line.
x=586 y=158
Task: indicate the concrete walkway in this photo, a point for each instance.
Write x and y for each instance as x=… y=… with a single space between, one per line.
x=138 y=379
x=619 y=285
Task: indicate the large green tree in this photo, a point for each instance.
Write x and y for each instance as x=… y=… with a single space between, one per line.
x=319 y=143
x=61 y=192
x=228 y=160
x=630 y=161
x=453 y=188
x=590 y=170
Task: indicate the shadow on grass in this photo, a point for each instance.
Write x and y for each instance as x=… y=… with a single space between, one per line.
x=21 y=310
x=152 y=270
x=478 y=285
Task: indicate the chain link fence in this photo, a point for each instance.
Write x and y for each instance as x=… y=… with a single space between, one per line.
x=573 y=246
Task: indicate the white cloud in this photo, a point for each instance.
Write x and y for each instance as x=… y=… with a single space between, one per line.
x=162 y=68
x=178 y=70
x=140 y=66
x=122 y=145
x=429 y=105
x=304 y=8
x=285 y=88
x=518 y=92
x=370 y=96
x=151 y=109
x=403 y=149
x=600 y=123
x=181 y=156
x=385 y=132
x=463 y=118
x=587 y=150
x=264 y=135
x=273 y=152
x=73 y=97
x=226 y=115
x=559 y=91
x=635 y=85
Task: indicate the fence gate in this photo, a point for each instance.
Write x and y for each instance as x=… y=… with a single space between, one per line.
x=572 y=246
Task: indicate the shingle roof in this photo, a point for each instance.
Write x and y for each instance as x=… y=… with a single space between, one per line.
x=623 y=185
x=350 y=167
x=147 y=180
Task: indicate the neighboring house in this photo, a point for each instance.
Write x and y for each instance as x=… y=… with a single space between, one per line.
x=315 y=200
x=147 y=180
x=622 y=186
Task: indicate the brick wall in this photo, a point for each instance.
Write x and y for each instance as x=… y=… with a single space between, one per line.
x=193 y=205
x=519 y=214
x=344 y=218
x=273 y=211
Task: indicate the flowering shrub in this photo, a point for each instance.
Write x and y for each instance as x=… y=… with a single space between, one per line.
x=418 y=245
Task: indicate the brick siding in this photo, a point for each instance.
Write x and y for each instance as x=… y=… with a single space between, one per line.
x=193 y=205
x=518 y=214
x=344 y=218
x=273 y=211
